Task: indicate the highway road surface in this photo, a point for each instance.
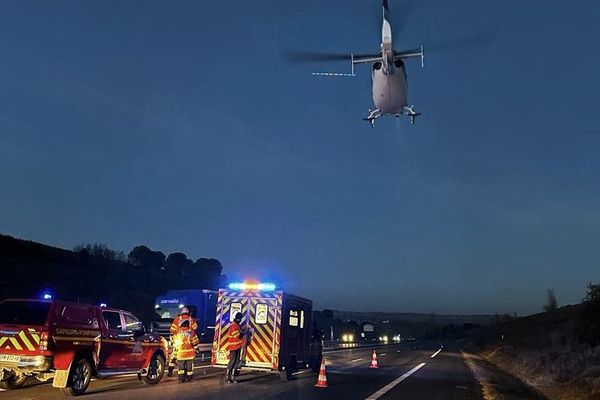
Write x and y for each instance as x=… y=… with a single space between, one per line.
x=407 y=371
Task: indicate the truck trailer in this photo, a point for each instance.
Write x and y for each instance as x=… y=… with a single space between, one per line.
x=200 y=302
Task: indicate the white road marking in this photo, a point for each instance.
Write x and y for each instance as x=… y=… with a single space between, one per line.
x=301 y=372
x=383 y=354
x=357 y=359
x=2 y=390
x=436 y=353
x=393 y=384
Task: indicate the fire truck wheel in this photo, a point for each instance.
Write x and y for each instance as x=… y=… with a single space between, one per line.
x=79 y=378
x=156 y=370
x=16 y=382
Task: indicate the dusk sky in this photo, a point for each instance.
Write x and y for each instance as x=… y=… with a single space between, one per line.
x=180 y=125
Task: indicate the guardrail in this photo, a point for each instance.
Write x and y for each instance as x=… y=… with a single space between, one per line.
x=335 y=345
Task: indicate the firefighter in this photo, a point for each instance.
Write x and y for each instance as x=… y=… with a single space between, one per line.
x=234 y=345
x=185 y=345
x=185 y=315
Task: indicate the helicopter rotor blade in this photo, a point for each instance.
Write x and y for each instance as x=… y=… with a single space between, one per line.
x=315 y=56
x=400 y=19
x=466 y=41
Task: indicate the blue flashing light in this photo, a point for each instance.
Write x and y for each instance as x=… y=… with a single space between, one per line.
x=261 y=287
x=47 y=296
x=103 y=305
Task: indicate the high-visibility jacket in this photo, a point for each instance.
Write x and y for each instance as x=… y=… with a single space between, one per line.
x=234 y=341
x=184 y=344
x=179 y=319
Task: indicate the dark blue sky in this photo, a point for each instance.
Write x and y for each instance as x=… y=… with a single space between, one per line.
x=180 y=125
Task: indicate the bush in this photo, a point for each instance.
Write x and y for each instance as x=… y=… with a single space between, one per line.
x=592 y=297
x=551 y=303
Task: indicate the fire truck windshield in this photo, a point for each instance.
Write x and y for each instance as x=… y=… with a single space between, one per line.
x=24 y=312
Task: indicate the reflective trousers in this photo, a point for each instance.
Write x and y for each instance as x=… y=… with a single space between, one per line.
x=234 y=361
x=185 y=370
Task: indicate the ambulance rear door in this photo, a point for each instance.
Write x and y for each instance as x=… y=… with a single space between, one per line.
x=229 y=303
x=264 y=321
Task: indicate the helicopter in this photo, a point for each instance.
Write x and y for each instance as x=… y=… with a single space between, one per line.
x=388 y=73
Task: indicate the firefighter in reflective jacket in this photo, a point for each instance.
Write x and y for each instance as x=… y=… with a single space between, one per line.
x=185 y=345
x=174 y=329
x=234 y=345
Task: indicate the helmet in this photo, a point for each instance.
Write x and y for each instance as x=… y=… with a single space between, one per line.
x=185 y=310
x=238 y=317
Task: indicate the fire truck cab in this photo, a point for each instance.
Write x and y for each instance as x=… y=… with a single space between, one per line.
x=280 y=334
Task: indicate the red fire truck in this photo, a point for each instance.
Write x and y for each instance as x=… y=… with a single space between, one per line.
x=279 y=324
x=71 y=342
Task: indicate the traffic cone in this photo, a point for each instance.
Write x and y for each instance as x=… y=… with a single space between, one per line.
x=374 y=360
x=322 y=380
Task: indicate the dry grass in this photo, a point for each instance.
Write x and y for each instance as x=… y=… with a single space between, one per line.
x=559 y=376
x=496 y=384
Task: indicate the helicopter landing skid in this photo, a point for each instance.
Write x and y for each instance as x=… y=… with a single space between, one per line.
x=373 y=115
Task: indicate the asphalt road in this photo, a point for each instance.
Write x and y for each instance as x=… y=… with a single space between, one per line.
x=406 y=371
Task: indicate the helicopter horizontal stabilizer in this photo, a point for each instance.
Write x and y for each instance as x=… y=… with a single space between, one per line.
x=416 y=52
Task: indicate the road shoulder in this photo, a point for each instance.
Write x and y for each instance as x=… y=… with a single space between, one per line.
x=497 y=384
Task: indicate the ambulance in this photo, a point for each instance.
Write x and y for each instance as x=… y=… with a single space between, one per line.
x=280 y=329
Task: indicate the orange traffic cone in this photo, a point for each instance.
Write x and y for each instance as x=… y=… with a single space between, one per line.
x=374 y=361
x=322 y=380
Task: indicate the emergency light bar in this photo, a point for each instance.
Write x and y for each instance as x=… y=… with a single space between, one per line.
x=47 y=296
x=264 y=287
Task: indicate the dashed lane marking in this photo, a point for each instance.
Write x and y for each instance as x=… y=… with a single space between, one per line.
x=436 y=353
x=383 y=354
x=301 y=372
x=393 y=384
x=356 y=359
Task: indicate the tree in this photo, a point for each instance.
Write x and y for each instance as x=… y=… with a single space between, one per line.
x=211 y=266
x=551 y=303
x=145 y=257
x=178 y=263
x=100 y=250
x=592 y=297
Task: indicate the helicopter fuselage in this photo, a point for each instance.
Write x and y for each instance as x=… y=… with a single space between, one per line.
x=389 y=87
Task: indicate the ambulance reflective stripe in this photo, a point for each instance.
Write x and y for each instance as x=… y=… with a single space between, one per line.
x=23 y=340
x=261 y=347
x=226 y=310
x=262 y=313
x=223 y=324
x=277 y=341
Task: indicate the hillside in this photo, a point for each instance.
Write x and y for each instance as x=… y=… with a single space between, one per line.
x=557 y=353
x=28 y=269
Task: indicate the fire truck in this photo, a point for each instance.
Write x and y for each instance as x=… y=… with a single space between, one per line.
x=70 y=343
x=280 y=336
